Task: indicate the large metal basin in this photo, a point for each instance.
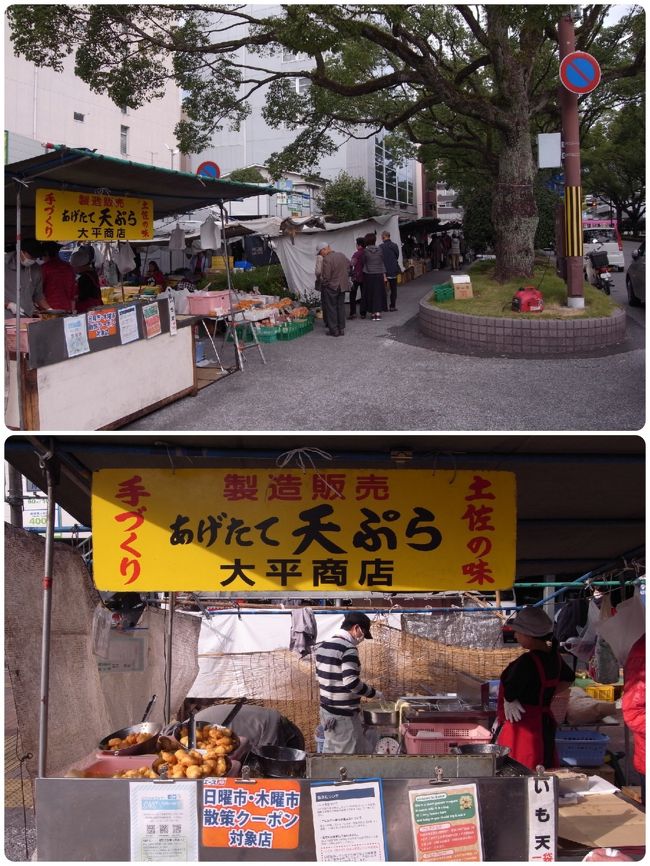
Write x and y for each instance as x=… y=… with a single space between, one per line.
x=146 y=747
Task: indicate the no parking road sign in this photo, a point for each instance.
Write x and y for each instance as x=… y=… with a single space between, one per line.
x=579 y=72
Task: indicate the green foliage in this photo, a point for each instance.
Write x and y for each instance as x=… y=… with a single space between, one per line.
x=614 y=162
x=346 y=198
x=269 y=279
x=247 y=175
x=477 y=221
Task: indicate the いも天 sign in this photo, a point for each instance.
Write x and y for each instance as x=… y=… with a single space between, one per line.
x=580 y=72
x=259 y=530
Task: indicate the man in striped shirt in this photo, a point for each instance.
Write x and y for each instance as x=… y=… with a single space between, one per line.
x=338 y=670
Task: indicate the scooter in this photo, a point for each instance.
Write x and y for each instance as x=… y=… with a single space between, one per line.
x=597 y=271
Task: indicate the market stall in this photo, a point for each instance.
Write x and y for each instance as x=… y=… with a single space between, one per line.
x=423 y=244
x=79 y=195
x=428 y=800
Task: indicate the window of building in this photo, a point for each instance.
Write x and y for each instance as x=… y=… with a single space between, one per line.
x=79 y=116
x=124 y=140
x=393 y=179
x=293 y=57
x=302 y=86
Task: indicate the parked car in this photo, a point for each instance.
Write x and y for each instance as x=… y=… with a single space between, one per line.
x=635 y=278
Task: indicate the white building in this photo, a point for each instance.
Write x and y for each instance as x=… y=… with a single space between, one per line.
x=397 y=187
x=42 y=106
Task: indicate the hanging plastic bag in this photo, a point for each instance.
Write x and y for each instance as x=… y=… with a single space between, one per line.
x=625 y=627
x=604 y=666
x=584 y=645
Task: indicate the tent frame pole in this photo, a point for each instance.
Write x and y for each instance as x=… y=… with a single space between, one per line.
x=168 y=657
x=46 y=463
x=19 y=369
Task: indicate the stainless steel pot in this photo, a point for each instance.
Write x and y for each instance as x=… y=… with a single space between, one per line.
x=379 y=714
x=279 y=761
x=500 y=752
x=147 y=747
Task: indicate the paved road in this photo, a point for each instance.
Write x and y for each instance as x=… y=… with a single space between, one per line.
x=387 y=376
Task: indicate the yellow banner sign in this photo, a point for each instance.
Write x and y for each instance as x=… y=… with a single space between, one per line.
x=259 y=530
x=83 y=216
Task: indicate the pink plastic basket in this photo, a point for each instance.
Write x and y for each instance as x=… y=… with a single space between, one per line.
x=209 y=303
x=448 y=734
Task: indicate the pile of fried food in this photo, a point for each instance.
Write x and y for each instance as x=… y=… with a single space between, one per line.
x=131 y=740
x=191 y=765
x=216 y=740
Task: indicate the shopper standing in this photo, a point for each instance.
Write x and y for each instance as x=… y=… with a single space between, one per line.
x=356 y=272
x=374 y=277
x=335 y=281
x=390 y=252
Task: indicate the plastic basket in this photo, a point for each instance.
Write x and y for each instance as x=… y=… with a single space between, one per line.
x=581 y=748
x=268 y=334
x=244 y=333
x=437 y=738
x=444 y=292
x=604 y=693
x=209 y=303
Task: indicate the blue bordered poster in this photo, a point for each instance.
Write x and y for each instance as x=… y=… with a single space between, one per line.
x=349 y=821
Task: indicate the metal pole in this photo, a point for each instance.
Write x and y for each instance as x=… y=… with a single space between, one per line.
x=238 y=354
x=168 y=657
x=572 y=176
x=48 y=580
x=15 y=496
x=19 y=377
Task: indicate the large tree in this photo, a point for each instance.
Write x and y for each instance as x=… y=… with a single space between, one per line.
x=614 y=162
x=370 y=68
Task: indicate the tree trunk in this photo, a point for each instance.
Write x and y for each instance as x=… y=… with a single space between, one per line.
x=514 y=209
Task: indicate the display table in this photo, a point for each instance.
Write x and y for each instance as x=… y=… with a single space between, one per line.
x=106 y=386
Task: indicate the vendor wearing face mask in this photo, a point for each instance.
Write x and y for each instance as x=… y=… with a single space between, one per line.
x=32 y=298
x=527 y=688
x=339 y=678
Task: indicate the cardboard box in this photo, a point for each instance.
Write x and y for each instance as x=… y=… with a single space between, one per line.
x=462 y=286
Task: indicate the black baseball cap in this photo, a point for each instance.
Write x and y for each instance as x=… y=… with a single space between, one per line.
x=361 y=619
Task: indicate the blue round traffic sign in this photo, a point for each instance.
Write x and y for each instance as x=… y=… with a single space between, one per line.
x=579 y=72
x=209 y=169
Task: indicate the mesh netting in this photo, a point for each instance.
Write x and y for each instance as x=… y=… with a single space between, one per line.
x=395 y=662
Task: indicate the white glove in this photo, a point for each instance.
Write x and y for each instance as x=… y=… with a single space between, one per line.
x=379 y=695
x=513 y=710
x=11 y=307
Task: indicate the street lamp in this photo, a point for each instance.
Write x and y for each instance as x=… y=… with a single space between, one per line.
x=172 y=153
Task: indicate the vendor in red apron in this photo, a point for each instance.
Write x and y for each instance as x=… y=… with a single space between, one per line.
x=526 y=690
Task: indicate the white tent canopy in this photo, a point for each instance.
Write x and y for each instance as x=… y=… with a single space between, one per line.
x=297 y=252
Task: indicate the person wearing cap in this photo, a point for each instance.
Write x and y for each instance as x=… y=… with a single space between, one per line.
x=341 y=688
x=526 y=690
x=335 y=282
x=89 y=294
x=32 y=298
x=59 y=281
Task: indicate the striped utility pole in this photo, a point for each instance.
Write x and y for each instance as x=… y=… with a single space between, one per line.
x=573 y=248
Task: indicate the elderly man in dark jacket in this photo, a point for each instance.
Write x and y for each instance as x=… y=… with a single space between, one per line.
x=390 y=252
x=335 y=281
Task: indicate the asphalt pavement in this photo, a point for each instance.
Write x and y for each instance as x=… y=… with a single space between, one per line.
x=387 y=376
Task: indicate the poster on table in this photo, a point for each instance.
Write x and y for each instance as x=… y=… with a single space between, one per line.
x=164 y=824
x=349 y=821
x=102 y=323
x=173 y=327
x=76 y=337
x=254 y=816
x=446 y=824
x=151 y=316
x=84 y=216
x=542 y=833
x=259 y=530
x=128 y=325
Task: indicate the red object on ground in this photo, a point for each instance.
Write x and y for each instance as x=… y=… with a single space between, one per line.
x=528 y=300
x=633 y=702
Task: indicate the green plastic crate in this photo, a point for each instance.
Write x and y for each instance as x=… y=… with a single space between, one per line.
x=444 y=292
x=244 y=333
x=268 y=334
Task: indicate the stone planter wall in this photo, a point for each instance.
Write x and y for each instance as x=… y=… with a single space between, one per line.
x=520 y=336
